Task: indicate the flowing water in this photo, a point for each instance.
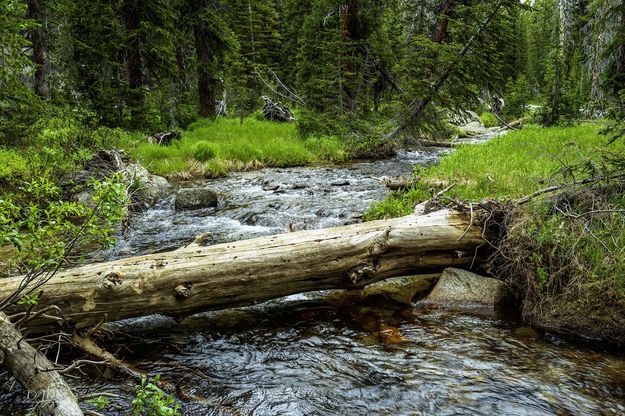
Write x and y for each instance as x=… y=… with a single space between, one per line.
x=303 y=355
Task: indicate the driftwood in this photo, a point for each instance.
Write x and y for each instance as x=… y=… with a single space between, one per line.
x=165 y=138
x=195 y=279
x=401 y=183
x=431 y=143
x=35 y=373
x=276 y=111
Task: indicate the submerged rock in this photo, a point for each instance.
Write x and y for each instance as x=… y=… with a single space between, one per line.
x=195 y=198
x=401 y=291
x=460 y=287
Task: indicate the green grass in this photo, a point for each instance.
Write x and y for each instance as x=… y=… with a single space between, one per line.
x=509 y=167
x=211 y=148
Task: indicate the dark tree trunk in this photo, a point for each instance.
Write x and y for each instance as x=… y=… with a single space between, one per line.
x=441 y=31
x=205 y=82
x=36 y=36
x=351 y=33
x=132 y=19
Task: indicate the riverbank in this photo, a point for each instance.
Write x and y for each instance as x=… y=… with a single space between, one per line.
x=563 y=251
x=212 y=148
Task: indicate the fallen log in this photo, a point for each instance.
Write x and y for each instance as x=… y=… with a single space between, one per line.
x=35 y=373
x=195 y=279
x=431 y=143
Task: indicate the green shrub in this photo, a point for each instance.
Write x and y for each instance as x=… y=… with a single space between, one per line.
x=203 y=151
x=13 y=167
x=489 y=120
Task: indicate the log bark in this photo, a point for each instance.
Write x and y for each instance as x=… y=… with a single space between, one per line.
x=195 y=279
x=35 y=373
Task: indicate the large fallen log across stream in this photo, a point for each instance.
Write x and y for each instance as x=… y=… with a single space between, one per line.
x=195 y=279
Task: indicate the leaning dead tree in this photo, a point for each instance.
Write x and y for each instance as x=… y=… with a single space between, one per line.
x=418 y=106
x=195 y=279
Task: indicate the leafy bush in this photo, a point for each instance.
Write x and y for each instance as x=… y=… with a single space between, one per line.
x=203 y=151
x=489 y=120
x=40 y=228
x=13 y=167
x=151 y=400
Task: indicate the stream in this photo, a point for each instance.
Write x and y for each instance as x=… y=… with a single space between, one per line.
x=302 y=356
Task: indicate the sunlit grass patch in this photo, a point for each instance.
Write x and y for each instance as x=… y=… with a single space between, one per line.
x=227 y=144
x=508 y=167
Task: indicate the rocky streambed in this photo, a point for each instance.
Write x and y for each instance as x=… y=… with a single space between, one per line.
x=334 y=353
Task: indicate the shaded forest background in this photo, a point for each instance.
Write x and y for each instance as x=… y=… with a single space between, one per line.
x=353 y=67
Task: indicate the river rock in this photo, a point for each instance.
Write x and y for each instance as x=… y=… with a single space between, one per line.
x=462 y=117
x=460 y=287
x=146 y=189
x=85 y=198
x=398 y=290
x=195 y=198
x=340 y=182
x=474 y=128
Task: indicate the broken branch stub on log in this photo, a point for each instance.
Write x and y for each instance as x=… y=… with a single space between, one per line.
x=195 y=279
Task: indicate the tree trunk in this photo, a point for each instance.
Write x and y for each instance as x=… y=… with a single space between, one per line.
x=195 y=279
x=132 y=19
x=36 y=36
x=441 y=31
x=205 y=82
x=33 y=370
x=351 y=33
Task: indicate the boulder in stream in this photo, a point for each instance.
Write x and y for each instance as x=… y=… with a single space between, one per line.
x=458 y=287
x=398 y=291
x=195 y=198
x=146 y=189
x=474 y=128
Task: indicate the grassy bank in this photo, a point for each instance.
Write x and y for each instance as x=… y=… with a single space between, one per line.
x=212 y=148
x=509 y=167
x=564 y=252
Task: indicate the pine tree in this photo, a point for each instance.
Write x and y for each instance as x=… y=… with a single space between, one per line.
x=256 y=28
x=18 y=104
